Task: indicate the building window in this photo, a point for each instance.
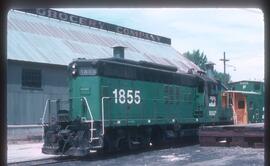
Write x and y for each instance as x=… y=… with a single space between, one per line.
x=31 y=78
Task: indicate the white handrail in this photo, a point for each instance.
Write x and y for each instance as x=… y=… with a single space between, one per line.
x=45 y=109
x=92 y=120
x=88 y=108
x=44 y=112
x=102 y=114
x=43 y=116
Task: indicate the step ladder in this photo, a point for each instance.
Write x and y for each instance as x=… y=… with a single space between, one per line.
x=97 y=137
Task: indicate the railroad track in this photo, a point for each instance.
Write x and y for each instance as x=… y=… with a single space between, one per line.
x=47 y=161
x=95 y=156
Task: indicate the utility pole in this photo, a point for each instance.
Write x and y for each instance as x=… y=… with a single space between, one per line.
x=224 y=62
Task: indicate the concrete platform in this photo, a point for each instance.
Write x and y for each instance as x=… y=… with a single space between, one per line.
x=25 y=152
x=17 y=133
x=250 y=135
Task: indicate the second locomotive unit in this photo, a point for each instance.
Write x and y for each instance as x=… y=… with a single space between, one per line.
x=122 y=104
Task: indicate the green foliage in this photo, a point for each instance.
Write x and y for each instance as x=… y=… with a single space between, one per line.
x=200 y=59
x=197 y=57
x=224 y=78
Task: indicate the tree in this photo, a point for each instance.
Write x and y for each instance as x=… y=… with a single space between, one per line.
x=197 y=57
x=224 y=78
x=200 y=59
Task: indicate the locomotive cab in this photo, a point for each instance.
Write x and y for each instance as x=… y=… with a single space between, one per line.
x=73 y=126
x=211 y=99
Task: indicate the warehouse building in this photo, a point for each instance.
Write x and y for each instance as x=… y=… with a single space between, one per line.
x=42 y=42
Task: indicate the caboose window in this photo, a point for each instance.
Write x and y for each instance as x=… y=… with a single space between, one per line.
x=31 y=78
x=241 y=104
x=257 y=86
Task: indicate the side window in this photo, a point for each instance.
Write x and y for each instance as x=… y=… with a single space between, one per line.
x=201 y=87
x=256 y=86
x=209 y=89
x=31 y=78
x=241 y=104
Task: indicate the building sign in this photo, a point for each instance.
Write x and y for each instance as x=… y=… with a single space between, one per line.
x=96 y=24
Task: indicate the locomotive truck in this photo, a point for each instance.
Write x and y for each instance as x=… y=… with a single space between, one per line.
x=120 y=104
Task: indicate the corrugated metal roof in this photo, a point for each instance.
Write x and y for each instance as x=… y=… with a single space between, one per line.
x=45 y=40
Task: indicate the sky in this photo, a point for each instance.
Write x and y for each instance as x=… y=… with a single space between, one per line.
x=237 y=32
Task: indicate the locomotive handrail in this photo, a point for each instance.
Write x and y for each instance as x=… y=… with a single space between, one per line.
x=43 y=116
x=45 y=110
x=92 y=119
x=102 y=114
x=88 y=108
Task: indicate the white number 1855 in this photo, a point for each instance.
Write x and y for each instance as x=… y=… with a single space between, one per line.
x=128 y=96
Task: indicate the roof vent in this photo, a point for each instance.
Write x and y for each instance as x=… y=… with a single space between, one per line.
x=119 y=51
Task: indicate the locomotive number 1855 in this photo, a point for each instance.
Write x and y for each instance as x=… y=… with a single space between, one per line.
x=129 y=96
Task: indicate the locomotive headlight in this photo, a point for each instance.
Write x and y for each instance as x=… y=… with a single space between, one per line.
x=74 y=72
x=73 y=66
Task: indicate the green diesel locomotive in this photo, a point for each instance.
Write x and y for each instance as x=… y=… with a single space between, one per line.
x=120 y=104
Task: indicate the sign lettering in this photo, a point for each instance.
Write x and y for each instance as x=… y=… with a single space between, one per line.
x=96 y=24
